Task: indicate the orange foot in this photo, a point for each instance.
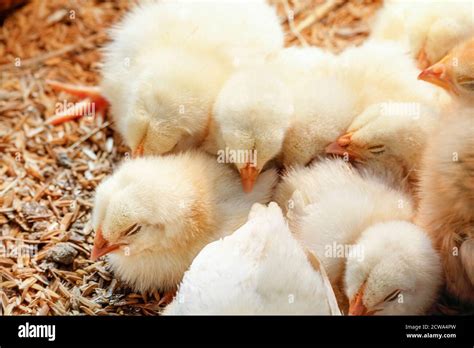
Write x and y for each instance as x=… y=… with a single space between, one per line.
x=92 y=103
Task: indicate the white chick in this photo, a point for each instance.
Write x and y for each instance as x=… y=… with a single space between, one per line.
x=395 y=112
x=399 y=273
x=429 y=29
x=383 y=71
x=370 y=95
x=330 y=206
x=259 y=269
x=161 y=85
x=388 y=138
x=324 y=104
x=154 y=215
x=282 y=110
x=373 y=87
x=447 y=198
x=251 y=116
x=455 y=73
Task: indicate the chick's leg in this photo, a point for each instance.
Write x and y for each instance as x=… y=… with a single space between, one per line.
x=92 y=103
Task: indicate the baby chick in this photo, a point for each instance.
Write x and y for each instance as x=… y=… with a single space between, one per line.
x=455 y=72
x=447 y=185
x=380 y=117
x=161 y=86
x=282 y=110
x=429 y=29
x=389 y=140
x=259 y=269
x=399 y=273
x=395 y=112
x=382 y=71
x=251 y=115
x=447 y=198
x=331 y=207
x=154 y=215
x=324 y=103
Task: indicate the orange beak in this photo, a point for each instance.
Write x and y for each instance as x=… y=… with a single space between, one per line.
x=422 y=59
x=340 y=147
x=357 y=307
x=248 y=175
x=101 y=246
x=437 y=75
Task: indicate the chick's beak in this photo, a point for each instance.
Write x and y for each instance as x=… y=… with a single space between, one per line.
x=437 y=75
x=341 y=147
x=248 y=175
x=422 y=58
x=357 y=306
x=101 y=246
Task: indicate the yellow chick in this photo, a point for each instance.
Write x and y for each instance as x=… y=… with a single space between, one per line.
x=447 y=199
x=283 y=111
x=429 y=29
x=168 y=60
x=251 y=116
x=390 y=142
x=324 y=102
x=360 y=229
x=455 y=72
x=394 y=111
x=154 y=215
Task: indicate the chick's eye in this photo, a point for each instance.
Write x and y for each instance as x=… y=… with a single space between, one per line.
x=467 y=85
x=377 y=149
x=392 y=296
x=132 y=230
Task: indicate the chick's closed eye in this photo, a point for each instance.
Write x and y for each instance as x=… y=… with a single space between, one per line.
x=134 y=229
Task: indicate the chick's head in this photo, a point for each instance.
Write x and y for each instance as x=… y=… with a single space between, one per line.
x=454 y=72
x=252 y=114
x=170 y=105
x=396 y=271
x=145 y=207
x=386 y=135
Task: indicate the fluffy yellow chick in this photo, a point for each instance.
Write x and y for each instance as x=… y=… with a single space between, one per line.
x=447 y=185
x=429 y=29
x=395 y=112
x=154 y=215
x=324 y=103
x=283 y=110
x=399 y=272
x=455 y=72
x=350 y=220
x=383 y=116
x=390 y=142
x=381 y=71
x=259 y=269
x=447 y=199
x=251 y=116
x=168 y=59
